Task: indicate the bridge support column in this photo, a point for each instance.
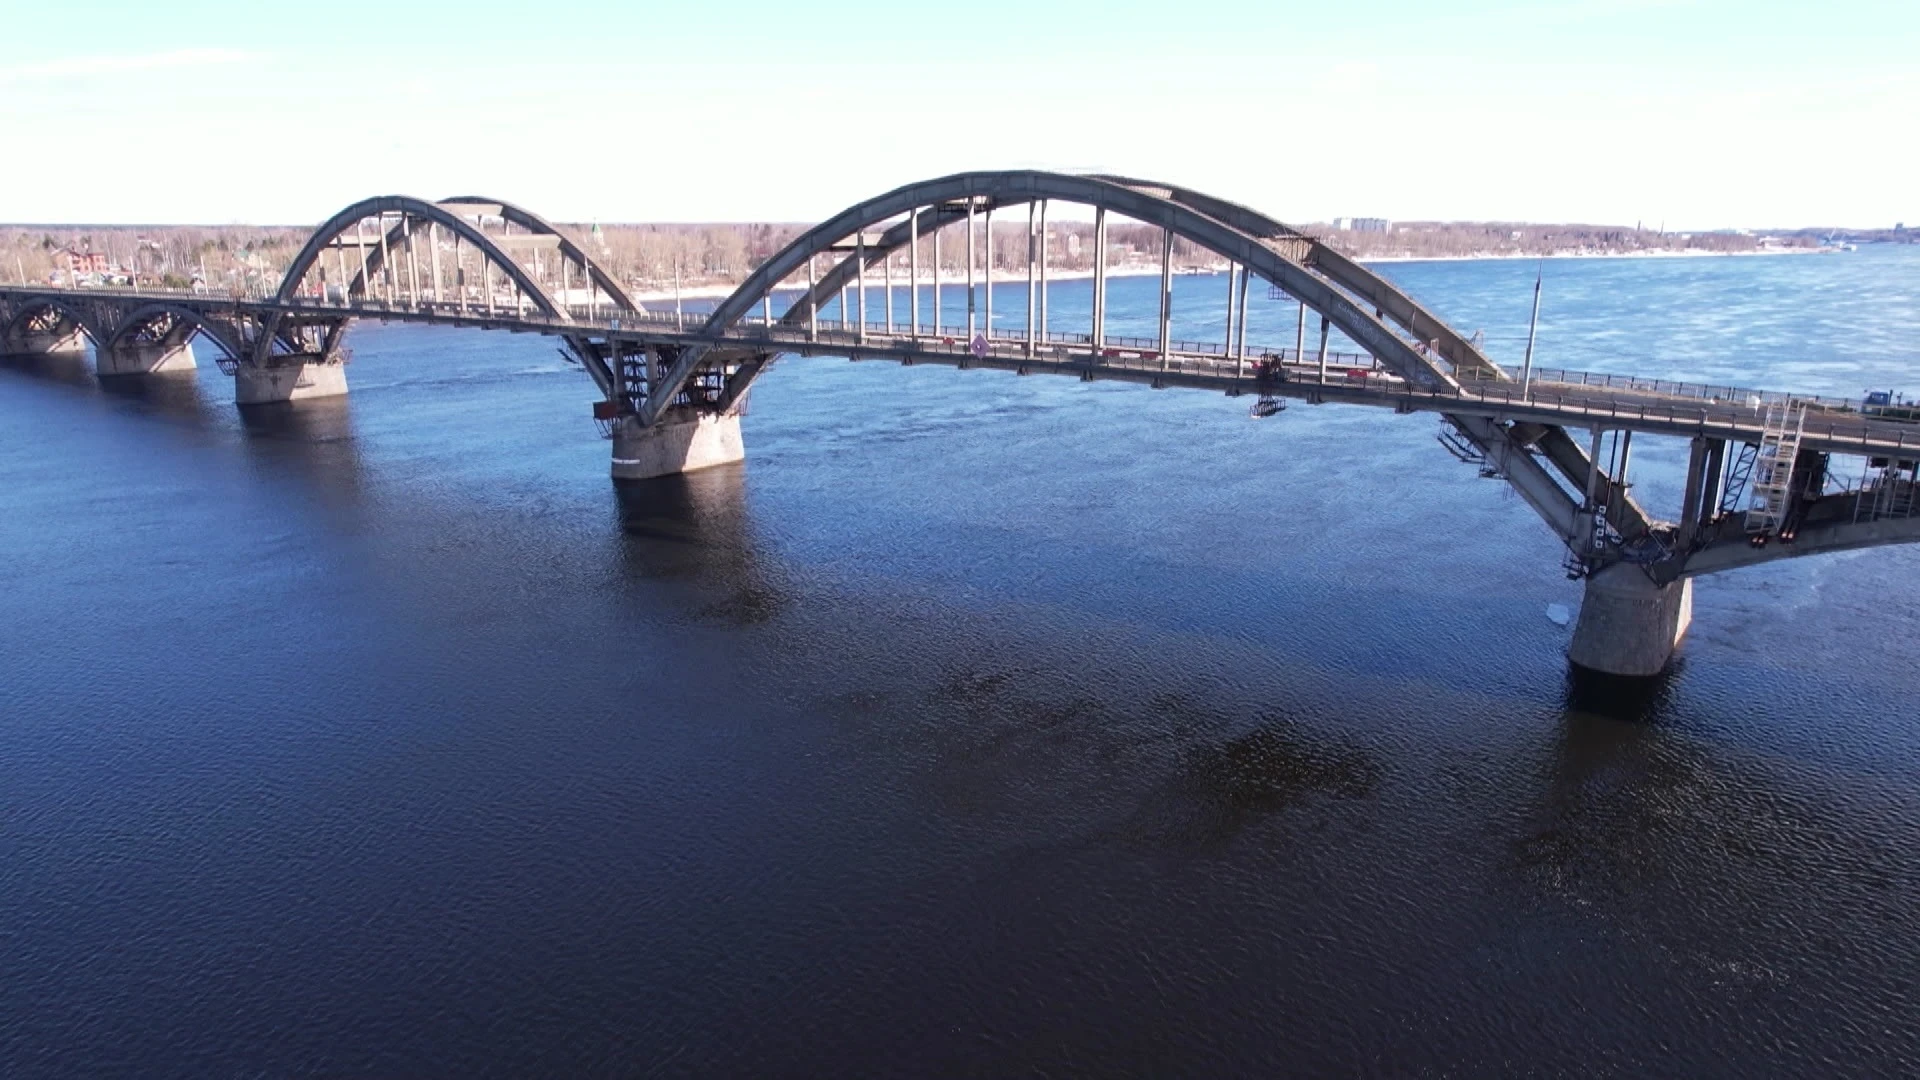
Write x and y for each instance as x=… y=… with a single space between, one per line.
x=48 y=342
x=288 y=382
x=1628 y=625
x=143 y=359
x=676 y=444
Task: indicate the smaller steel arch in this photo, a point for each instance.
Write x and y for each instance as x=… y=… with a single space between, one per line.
x=419 y=208
x=203 y=325
x=29 y=306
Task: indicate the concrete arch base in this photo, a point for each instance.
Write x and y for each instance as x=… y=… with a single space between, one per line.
x=676 y=445
x=287 y=382
x=143 y=360
x=1628 y=625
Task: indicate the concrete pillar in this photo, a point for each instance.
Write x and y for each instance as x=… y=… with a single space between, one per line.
x=48 y=342
x=143 y=359
x=287 y=382
x=1696 y=485
x=676 y=444
x=1628 y=625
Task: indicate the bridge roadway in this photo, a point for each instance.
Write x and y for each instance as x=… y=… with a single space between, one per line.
x=1566 y=398
x=1759 y=486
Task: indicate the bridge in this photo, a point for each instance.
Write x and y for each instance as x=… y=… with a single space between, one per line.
x=1762 y=481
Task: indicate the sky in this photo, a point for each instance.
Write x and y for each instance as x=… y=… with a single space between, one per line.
x=1692 y=114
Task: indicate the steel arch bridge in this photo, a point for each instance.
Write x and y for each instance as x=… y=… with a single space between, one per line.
x=673 y=387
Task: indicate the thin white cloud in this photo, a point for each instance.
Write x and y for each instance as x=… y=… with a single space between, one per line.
x=88 y=67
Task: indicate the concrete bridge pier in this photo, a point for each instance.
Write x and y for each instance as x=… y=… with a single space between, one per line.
x=675 y=444
x=143 y=359
x=64 y=342
x=289 y=381
x=1629 y=625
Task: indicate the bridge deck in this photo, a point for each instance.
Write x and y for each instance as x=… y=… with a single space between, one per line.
x=1571 y=399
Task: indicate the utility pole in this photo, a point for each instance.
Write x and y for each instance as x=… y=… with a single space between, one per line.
x=1526 y=366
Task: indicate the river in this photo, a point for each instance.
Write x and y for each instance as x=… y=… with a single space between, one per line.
x=977 y=724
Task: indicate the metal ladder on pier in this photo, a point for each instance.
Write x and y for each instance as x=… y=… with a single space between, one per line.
x=1772 y=485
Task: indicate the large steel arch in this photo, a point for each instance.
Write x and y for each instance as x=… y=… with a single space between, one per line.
x=1388 y=299
x=539 y=226
x=1389 y=325
x=1415 y=321
x=1002 y=189
x=336 y=226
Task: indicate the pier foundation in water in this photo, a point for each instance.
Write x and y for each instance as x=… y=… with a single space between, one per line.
x=288 y=382
x=675 y=444
x=1628 y=625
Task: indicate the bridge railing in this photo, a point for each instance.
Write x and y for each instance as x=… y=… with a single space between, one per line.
x=1673 y=388
x=149 y=290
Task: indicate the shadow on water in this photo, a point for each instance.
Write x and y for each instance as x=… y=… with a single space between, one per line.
x=325 y=420
x=1614 y=770
x=311 y=441
x=1634 y=806
x=1615 y=697
x=173 y=397
x=67 y=369
x=695 y=528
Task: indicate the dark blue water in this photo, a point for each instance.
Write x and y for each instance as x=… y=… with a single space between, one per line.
x=977 y=725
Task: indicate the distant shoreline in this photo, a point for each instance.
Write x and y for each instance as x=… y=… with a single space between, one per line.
x=715 y=291
x=1649 y=253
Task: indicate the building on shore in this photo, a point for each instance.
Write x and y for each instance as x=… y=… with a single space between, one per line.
x=1363 y=224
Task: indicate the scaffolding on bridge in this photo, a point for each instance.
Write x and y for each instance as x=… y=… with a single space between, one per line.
x=1773 y=467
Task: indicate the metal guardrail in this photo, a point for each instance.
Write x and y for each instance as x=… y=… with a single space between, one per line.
x=1674 y=388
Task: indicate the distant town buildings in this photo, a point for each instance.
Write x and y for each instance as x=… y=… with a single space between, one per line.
x=1363 y=224
x=84 y=262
